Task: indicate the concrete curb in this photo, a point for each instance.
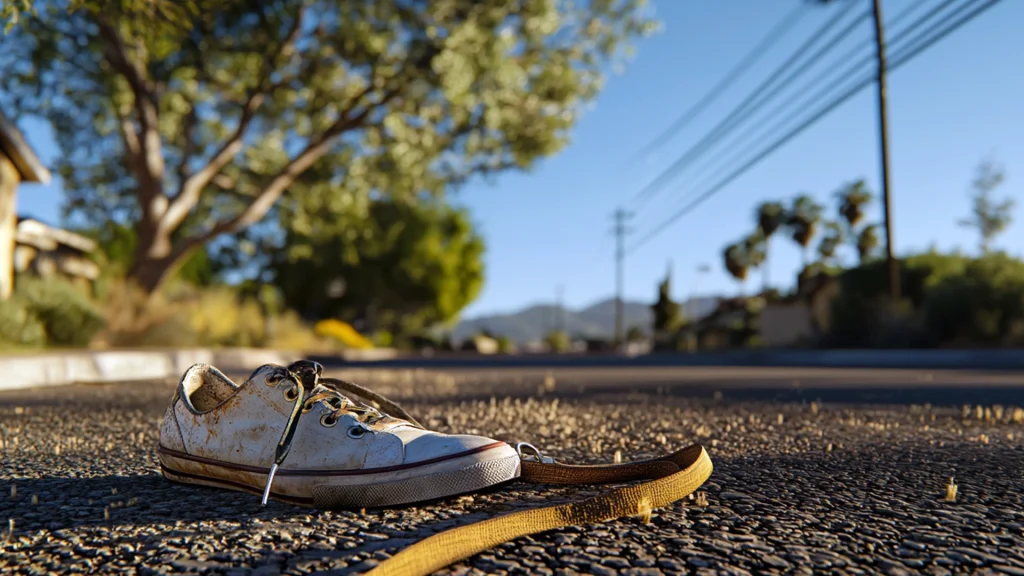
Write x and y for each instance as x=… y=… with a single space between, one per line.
x=62 y=368
x=1004 y=360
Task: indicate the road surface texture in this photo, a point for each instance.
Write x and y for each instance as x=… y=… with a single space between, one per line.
x=830 y=471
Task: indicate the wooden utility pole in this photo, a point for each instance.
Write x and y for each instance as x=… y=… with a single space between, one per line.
x=559 y=317
x=892 y=266
x=620 y=231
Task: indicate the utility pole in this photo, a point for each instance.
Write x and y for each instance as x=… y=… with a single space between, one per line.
x=892 y=267
x=559 y=325
x=620 y=231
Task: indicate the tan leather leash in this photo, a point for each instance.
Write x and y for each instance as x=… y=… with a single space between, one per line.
x=669 y=478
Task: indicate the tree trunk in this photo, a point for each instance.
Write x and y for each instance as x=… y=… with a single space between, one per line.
x=155 y=258
x=764 y=265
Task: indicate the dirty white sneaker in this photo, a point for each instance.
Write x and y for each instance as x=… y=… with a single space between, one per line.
x=285 y=434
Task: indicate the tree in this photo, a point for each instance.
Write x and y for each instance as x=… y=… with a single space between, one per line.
x=770 y=217
x=829 y=244
x=195 y=131
x=665 y=310
x=867 y=243
x=755 y=251
x=802 y=222
x=142 y=13
x=736 y=262
x=407 y=267
x=988 y=216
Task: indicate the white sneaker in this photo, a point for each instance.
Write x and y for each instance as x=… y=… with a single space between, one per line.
x=284 y=434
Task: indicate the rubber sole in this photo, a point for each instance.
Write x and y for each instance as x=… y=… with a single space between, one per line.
x=457 y=475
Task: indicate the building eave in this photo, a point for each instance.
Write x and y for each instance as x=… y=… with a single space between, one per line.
x=14 y=146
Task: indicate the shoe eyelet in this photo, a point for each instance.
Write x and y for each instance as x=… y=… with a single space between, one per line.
x=328 y=421
x=291 y=394
x=307 y=407
x=356 y=432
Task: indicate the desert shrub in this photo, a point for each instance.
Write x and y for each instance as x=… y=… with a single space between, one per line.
x=185 y=316
x=343 y=333
x=68 y=316
x=289 y=332
x=505 y=345
x=982 y=306
x=19 y=327
x=557 y=341
x=219 y=317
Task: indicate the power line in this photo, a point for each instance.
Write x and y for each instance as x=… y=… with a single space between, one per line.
x=757 y=136
x=898 y=61
x=774 y=35
x=754 y=98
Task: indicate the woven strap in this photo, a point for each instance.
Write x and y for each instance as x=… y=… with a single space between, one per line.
x=670 y=478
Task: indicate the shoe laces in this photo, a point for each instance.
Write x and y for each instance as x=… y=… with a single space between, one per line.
x=307 y=389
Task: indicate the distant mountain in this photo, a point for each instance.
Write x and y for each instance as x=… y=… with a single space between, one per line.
x=595 y=321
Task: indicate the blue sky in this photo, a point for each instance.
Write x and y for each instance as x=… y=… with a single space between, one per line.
x=954 y=105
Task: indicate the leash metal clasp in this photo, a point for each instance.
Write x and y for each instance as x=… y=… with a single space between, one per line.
x=540 y=457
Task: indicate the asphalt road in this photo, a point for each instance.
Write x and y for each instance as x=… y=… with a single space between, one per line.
x=830 y=471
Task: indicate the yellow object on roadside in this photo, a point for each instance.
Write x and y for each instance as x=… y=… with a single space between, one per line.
x=343 y=333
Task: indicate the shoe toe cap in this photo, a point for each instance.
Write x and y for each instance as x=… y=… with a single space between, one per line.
x=421 y=445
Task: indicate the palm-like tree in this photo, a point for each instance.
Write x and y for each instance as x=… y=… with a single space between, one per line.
x=755 y=250
x=770 y=217
x=867 y=242
x=736 y=262
x=831 y=242
x=852 y=201
x=802 y=222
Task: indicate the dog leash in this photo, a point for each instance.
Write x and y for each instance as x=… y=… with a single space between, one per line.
x=667 y=479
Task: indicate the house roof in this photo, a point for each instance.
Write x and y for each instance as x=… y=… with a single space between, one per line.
x=14 y=146
x=35 y=233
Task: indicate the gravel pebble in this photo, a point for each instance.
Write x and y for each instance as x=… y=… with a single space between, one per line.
x=778 y=502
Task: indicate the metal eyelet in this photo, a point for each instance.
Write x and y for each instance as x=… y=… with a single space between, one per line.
x=291 y=394
x=307 y=407
x=356 y=432
x=328 y=421
x=539 y=457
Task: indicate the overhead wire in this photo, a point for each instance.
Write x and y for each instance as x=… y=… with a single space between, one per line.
x=828 y=85
x=774 y=35
x=897 y=61
x=778 y=76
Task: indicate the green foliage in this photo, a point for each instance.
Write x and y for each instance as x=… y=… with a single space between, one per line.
x=984 y=305
x=770 y=217
x=67 y=315
x=405 y=267
x=735 y=262
x=195 y=129
x=505 y=345
x=117 y=245
x=988 y=216
x=867 y=243
x=863 y=316
x=634 y=334
x=557 y=341
x=19 y=327
x=666 y=311
x=830 y=243
x=802 y=221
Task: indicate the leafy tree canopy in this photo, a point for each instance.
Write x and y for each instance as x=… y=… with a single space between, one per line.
x=404 y=267
x=193 y=127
